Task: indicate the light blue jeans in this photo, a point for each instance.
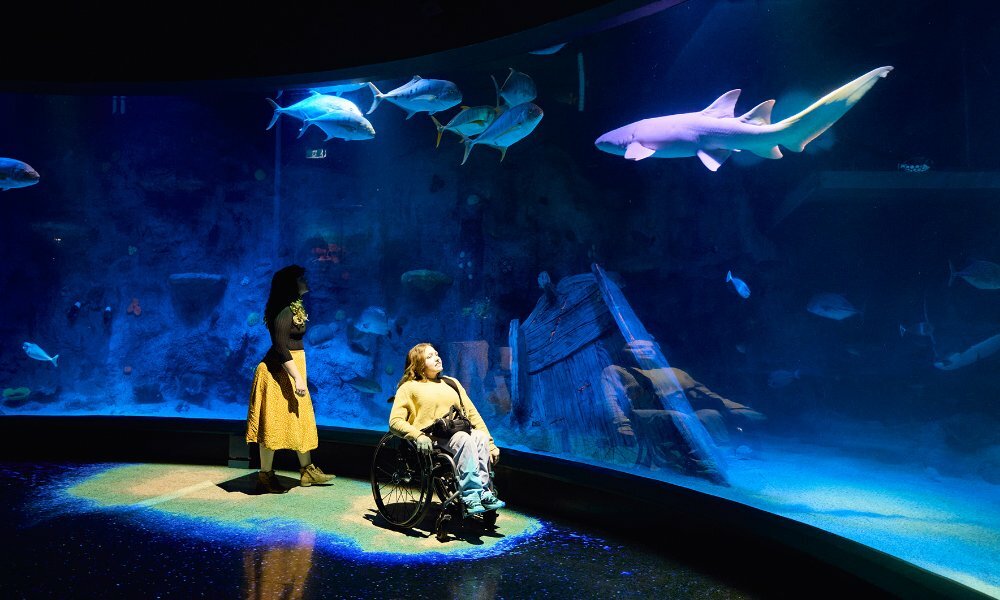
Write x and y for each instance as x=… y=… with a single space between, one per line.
x=471 y=452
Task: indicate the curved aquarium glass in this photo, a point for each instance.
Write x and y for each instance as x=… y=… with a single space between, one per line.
x=748 y=247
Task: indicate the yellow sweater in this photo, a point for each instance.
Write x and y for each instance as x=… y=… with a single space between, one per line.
x=418 y=403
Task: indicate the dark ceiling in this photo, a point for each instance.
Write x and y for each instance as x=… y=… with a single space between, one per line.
x=97 y=47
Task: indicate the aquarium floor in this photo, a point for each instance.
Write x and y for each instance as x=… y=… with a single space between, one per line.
x=113 y=530
x=154 y=530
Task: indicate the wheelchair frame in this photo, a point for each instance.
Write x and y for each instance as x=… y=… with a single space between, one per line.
x=404 y=482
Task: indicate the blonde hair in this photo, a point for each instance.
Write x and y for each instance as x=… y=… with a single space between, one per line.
x=414 y=369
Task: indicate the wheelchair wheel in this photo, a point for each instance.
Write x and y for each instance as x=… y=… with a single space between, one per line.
x=401 y=482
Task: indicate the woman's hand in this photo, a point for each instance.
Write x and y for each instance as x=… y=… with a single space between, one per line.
x=300 y=387
x=495 y=455
x=424 y=444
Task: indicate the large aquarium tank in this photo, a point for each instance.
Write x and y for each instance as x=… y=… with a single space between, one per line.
x=746 y=247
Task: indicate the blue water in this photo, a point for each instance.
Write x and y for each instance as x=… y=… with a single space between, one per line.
x=881 y=209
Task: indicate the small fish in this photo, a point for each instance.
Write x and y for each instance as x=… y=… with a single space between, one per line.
x=981 y=274
x=741 y=288
x=549 y=50
x=419 y=95
x=781 y=377
x=313 y=106
x=362 y=384
x=924 y=328
x=425 y=280
x=917 y=164
x=373 y=320
x=35 y=352
x=510 y=127
x=832 y=306
x=467 y=123
x=16 y=394
x=16 y=174
x=518 y=88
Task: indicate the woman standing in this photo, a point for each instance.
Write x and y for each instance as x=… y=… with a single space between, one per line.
x=281 y=411
x=423 y=396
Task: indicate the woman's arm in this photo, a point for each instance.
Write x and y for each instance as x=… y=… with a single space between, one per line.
x=403 y=411
x=282 y=334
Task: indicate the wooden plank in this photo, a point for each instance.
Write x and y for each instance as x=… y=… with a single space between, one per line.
x=568 y=402
x=520 y=402
x=561 y=325
x=632 y=329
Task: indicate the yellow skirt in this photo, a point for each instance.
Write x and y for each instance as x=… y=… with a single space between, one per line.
x=278 y=419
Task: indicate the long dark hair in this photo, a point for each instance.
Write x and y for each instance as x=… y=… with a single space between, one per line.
x=284 y=291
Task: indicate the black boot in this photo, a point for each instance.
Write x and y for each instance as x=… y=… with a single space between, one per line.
x=267 y=483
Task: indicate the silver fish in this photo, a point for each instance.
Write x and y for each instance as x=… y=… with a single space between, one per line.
x=510 y=127
x=373 y=320
x=832 y=306
x=518 y=88
x=981 y=274
x=341 y=125
x=345 y=122
x=315 y=105
x=16 y=174
x=34 y=351
x=469 y=122
x=419 y=95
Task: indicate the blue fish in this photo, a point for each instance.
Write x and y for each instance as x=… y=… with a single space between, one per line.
x=468 y=122
x=316 y=105
x=981 y=274
x=345 y=122
x=35 y=352
x=741 y=288
x=419 y=95
x=510 y=127
x=16 y=174
x=832 y=306
x=518 y=88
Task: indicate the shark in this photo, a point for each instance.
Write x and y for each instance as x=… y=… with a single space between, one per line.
x=714 y=133
x=976 y=352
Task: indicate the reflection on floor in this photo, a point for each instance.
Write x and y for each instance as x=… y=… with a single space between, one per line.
x=180 y=531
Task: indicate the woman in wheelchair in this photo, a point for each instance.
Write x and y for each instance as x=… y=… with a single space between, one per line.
x=423 y=396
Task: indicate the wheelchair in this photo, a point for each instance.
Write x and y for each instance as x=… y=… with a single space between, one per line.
x=404 y=483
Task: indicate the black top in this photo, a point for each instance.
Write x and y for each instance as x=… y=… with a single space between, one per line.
x=285 y=337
